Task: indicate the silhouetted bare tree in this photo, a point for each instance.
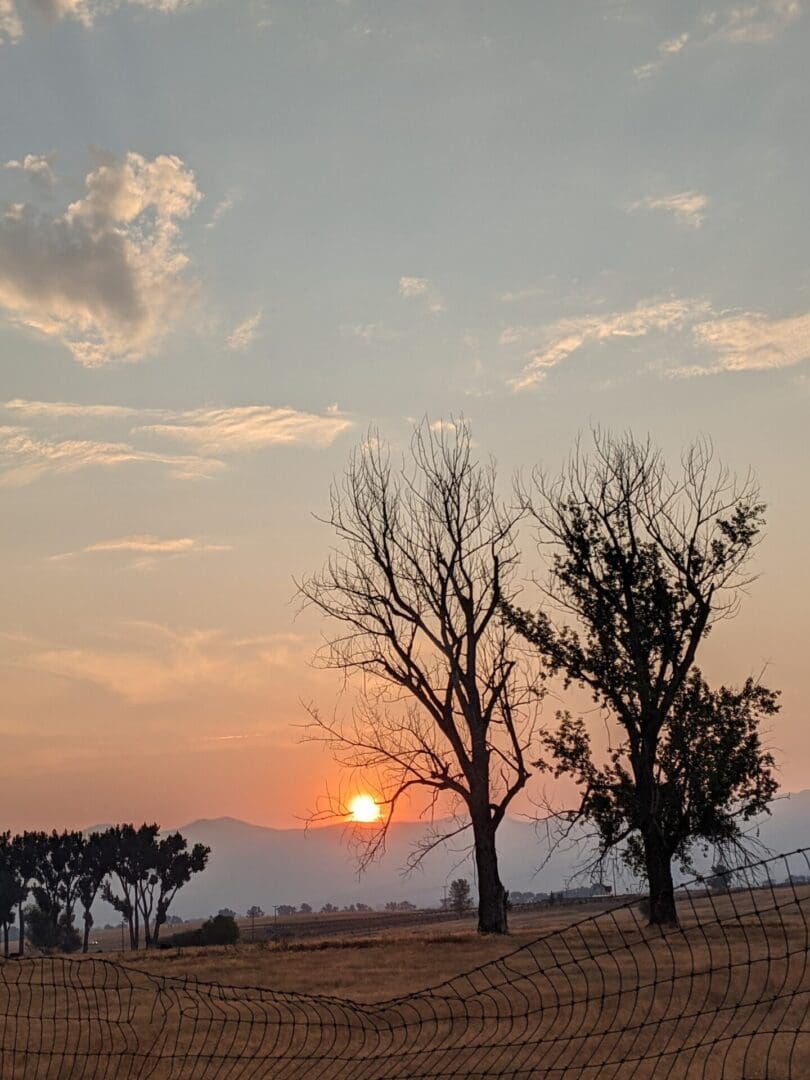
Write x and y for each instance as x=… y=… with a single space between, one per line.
x=425 y=555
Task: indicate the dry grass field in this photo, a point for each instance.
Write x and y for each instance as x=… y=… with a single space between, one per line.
x=602 y=996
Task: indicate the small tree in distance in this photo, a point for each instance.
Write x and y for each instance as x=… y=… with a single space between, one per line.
x=253 y=913
x=459 y=896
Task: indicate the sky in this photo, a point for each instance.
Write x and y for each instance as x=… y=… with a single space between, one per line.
x=233 y=235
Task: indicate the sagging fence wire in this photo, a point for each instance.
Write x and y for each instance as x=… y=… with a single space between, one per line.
x=725 y=994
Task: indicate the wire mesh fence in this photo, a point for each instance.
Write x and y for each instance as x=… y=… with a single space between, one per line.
x=725 y=994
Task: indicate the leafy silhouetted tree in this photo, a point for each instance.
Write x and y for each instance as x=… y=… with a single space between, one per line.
x=58 y=865
x=459 y=896
x=645 y=563
x=13 y=887
x=254 y=912
x=95 y=865
x=721 y=878
x=174 y=866
x=48 y=936
x=149 y=873
x=25 y=862
x=425 y=555
x=130 y=856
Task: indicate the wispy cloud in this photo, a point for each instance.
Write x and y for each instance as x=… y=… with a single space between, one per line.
x=226 y=204
x=246 y=332
x=371 y=332
x=569 y=335
x=664 y=50
x=84 y=12
x=754 y=342
x=211 y=434
x=533 y=292
x=38 y=166
x=752 y=23
x=24 y=457
x=423 y=290
x=760 y=21
x=11 y=29
x=687 y=207
x=107 y=276
x=146 y=663
x=717 y=341
x=71 y=409
x=145 y=545
x=249 y=427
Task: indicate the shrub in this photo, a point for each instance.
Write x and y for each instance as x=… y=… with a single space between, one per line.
x=221 y=930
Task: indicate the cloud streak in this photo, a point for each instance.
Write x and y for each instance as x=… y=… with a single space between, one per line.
x=24 y=458
x=250 y=427
x=145 y=545
x=245 y=333
x=687 y=207
x=208 y=435
x=146 y=663
x=569 y=335
x=754 y=342
x=84 y=12
x=753 y=23
x=424 y=291
x=748 y=341
x=11 y=29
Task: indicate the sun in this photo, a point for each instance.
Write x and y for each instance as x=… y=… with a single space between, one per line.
x=363 y=808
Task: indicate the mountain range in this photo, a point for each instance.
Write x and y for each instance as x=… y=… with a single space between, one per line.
x=251 y=864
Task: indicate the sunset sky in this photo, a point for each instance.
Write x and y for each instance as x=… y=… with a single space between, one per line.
x=234 y=234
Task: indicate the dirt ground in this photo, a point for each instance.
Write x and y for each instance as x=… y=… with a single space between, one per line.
x=566 y=995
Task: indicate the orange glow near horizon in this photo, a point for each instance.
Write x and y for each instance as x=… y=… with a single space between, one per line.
x=364 y=809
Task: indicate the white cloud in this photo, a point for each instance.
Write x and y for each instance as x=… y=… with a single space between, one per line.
x=25 y=457
x=86 y=11
x=761 y=21
x=27 y=454
x=422 y=289
x=687 y=207
x=222 y=208
x=370 y=332
x=664 y=50
x=752 y=23
x=38 y=167
x=754 y=342
x=10 y=26
x=107 y=276
x=72 y=409
x=147 y=547
x=248 y=427
x=246 y=332
x=568 y=335
x=531 y=293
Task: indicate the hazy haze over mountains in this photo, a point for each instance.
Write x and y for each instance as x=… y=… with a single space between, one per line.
x=251 y=864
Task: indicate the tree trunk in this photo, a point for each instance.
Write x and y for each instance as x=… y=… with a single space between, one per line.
x=21 y=920
x=5 y=940
x=491 y=893
x=659 y=878
x=88 y=922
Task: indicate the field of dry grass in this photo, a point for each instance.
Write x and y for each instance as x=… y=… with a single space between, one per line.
x=726 y=996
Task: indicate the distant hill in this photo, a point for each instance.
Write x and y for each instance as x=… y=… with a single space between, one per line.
x=255 y=865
